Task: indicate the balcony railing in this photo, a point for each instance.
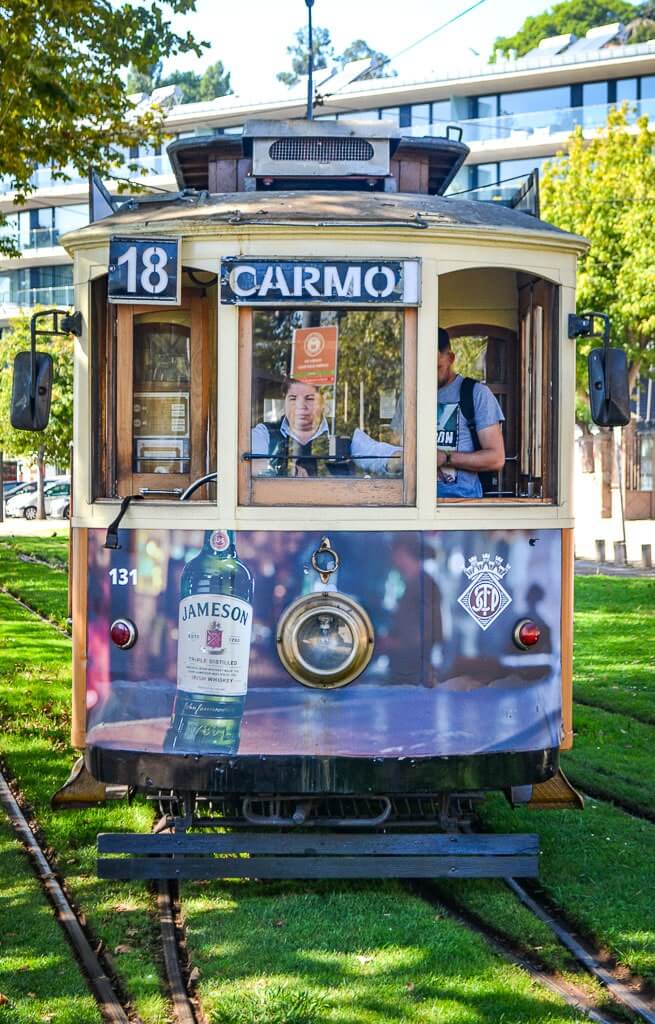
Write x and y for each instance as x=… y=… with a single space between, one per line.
x=535 y=126
x=58 y=295
x=154 y=163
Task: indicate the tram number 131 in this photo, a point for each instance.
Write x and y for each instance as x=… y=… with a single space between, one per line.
x=144 y=270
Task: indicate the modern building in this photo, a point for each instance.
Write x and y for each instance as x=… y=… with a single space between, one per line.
x=514 y=114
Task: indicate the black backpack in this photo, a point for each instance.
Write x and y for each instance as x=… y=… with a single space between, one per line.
x=489 y=479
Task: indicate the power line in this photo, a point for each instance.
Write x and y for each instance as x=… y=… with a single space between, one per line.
x=406 y=49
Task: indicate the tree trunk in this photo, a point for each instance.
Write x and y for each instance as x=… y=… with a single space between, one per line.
x=40 y=501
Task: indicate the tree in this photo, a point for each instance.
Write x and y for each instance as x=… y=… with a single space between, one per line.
x=63 y=100
x=215 y=82
x=143 y=81
x=604 y=189
x=194 y=88
x=359 y=49
x=52 y=444
x=576 y=16
x=322 y=49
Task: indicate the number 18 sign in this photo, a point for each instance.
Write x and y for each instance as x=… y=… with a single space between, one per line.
x=144 y=270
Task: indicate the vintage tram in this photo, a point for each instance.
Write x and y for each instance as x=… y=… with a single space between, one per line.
x=280 y=621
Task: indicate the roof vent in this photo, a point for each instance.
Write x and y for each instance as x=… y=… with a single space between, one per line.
x=321 y=151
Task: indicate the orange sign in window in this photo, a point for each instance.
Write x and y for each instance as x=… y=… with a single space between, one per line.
x=314 y=355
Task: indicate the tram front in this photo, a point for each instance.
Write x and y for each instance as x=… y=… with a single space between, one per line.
x=361 y=613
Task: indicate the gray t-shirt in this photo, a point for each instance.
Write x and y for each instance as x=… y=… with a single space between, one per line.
x=453 y=435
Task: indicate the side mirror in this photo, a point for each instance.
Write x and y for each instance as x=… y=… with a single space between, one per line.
x=32 y=391
x=609 y=393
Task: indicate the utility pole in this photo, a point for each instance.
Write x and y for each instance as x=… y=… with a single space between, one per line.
x=310 y=64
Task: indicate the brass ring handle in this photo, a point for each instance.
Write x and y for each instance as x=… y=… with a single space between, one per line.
x=325 y=549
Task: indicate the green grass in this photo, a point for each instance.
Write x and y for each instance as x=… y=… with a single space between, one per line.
x=38 y=977
x=612 y=757
x=614 y=654
x=597 y=866
x=310 y=953
x=34 y=726
x=40 y=586
x=348 y=954
x=53 y=549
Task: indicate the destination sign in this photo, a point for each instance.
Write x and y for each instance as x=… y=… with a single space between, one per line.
x=247 y=282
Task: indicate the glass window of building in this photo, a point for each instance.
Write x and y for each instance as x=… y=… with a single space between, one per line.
x=647 y=87
x=485 y=174
x=390 y=114
x=441 y=110
x=534 y=100
x=484 y=106
x=626 y=90
x=360 y=115
x=420 y=113
x=513 y=168
x=594 y=93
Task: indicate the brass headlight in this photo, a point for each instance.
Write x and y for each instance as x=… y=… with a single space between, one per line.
x=325 y=639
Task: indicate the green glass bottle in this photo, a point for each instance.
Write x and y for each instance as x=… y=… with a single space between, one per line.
x=213 y=649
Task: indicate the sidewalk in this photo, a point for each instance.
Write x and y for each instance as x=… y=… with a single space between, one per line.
x=33 y=527
x=583 y=567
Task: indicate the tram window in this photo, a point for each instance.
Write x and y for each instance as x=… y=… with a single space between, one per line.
x=517 y=362
x=326 y=422
x=155 y=426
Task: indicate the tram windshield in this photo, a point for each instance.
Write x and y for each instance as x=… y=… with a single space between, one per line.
x=326 y=393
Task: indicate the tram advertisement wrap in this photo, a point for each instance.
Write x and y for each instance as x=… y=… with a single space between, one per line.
x=444 y=678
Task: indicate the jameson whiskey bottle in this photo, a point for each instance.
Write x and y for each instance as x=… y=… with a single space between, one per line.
x=215 y=623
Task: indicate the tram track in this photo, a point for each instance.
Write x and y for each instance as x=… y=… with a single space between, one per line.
x=592 y=963
x=112 y=1003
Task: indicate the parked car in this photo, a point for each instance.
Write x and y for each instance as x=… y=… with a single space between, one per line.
x=8 y=486
x=24 y=504
x=59 y=507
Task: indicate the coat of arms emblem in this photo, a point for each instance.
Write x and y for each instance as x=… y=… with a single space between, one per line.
x=485 y=597
x=214 y=639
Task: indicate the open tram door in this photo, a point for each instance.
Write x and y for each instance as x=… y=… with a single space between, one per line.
x=361 y=621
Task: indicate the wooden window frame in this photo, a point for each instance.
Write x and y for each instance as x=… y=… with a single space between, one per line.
x=333 y=491
x=128 y=481
x=545 y=295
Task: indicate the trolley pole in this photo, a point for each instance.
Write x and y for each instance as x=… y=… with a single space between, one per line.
x=310 y=64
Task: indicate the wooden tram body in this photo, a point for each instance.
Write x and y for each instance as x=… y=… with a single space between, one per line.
x=446 y=704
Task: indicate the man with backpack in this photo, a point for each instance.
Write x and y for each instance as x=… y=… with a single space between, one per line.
x=469 y=434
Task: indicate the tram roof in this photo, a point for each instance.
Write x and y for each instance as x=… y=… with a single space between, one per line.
x=199 y=212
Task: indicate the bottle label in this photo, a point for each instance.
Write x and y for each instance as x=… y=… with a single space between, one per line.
x=213 y=648
x=219 y=540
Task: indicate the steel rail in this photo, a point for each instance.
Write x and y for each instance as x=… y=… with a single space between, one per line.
x=621 y=992
x=183 y=1008
x=34 y=612
x=567 y=991
x=100 y=984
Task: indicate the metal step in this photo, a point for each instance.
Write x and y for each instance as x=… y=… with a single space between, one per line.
x=317 y=855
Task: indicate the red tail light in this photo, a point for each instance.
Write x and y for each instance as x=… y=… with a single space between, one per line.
x=526 y=634
x=123 y=633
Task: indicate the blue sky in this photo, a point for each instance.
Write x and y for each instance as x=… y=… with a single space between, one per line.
x=251 y=36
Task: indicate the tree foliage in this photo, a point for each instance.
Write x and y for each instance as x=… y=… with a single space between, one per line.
x=56 y=439
x=63 y=100
x=576 y=16
x=322 y=50
x=604 y=189
x=359 y=49
x=324 y=54
x=215 y=81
